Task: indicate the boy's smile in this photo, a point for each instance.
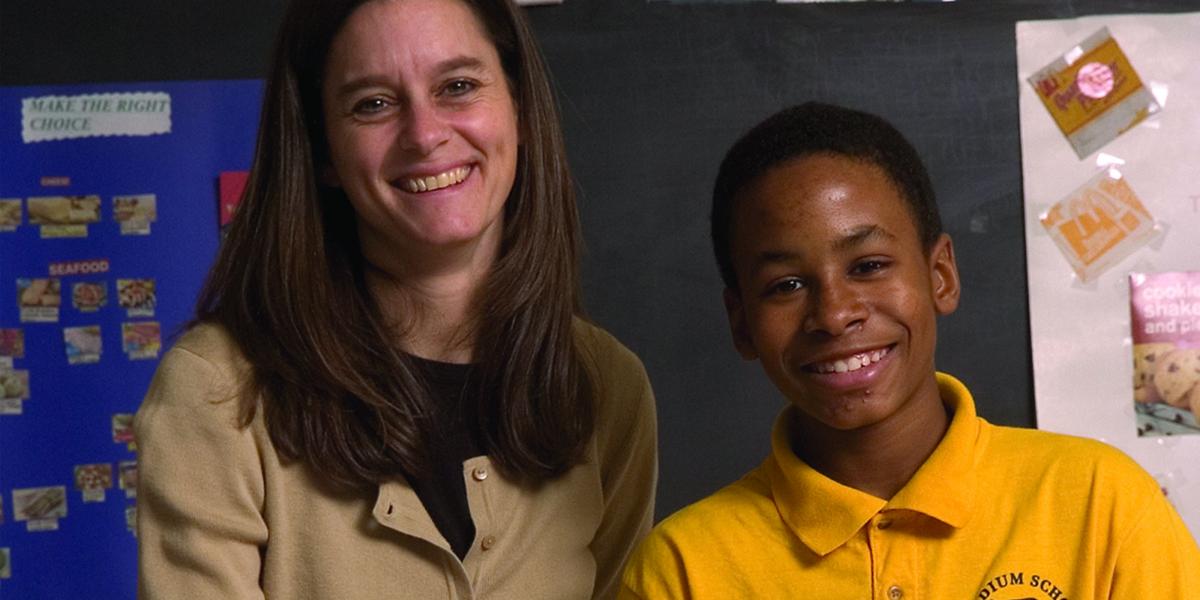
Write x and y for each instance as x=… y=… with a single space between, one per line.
x=836 y=295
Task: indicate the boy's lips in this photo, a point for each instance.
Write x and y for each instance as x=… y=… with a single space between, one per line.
x=852 y=370
x=849 y=362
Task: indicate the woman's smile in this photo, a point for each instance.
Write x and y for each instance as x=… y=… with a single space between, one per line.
x=429 y=183
x=418 y=107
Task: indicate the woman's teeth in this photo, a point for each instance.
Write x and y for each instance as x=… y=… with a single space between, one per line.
x=436 y=182
x=854 y=363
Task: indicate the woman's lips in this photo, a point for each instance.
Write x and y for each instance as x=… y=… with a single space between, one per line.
x=437 y=181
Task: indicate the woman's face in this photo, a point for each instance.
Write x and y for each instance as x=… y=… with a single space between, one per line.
x=421 y=127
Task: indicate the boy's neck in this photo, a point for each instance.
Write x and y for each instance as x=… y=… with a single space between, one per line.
x=879 y=459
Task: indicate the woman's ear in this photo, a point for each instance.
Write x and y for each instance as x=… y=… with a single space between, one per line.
x=943 y=275
x=329 y=176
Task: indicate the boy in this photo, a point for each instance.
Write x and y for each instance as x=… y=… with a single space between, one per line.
x=882 y=482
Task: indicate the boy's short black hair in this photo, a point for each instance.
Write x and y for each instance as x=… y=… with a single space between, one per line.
x=816 y=128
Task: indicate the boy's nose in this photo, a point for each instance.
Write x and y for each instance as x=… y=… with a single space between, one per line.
x=835 y=308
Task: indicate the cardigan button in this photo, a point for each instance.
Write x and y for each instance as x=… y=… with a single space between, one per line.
x=895 y=593
x=487 y=542
x=479 y=473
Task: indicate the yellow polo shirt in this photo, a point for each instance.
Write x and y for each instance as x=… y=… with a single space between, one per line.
x=995 y=513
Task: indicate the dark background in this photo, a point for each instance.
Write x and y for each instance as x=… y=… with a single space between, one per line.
x=652 y=95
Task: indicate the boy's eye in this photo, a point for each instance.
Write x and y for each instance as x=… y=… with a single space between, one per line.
x=786 y=286
x=867 y=267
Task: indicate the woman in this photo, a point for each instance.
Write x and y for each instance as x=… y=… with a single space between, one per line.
x=387 y=392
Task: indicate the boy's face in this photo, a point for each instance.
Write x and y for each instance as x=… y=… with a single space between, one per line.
x=837 y=297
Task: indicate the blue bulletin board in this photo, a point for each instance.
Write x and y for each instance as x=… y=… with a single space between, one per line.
x=122 y=228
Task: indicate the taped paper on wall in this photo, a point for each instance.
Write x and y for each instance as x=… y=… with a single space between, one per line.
x=1093 y=93
x=1099 y=223
x=1165 y=323
x=48 y=118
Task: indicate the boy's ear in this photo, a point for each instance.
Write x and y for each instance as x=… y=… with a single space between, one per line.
x=737 y=324
x=943 y=274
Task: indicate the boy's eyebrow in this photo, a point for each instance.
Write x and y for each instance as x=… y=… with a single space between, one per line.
x=861 y=235
x=856 y=237
x=775 y=256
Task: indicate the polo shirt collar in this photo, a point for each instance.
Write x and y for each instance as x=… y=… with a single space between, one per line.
x=825 y=514
x=944 y=487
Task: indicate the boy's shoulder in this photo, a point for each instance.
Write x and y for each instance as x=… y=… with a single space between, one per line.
x=1012 y=458
x=712 y=548
x=728 y=522
x=1078 y=469
x=1035 y=449
x=749 y=495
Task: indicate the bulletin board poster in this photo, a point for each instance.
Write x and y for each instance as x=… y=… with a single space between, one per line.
x=1110 y=110
x=108 y=224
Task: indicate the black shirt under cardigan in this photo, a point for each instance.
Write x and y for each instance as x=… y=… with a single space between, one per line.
x=455 y=438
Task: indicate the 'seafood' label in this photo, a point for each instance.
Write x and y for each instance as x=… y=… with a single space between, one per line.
x=1098 y=224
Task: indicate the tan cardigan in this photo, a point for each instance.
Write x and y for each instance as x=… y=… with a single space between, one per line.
x=221 y=516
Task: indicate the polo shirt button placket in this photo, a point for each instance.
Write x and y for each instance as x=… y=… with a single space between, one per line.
x=895 y=593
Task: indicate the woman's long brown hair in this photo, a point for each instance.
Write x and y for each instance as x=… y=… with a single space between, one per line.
x=288 y=286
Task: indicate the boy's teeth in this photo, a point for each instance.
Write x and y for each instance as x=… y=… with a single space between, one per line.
x=436 y=182
x=854 y=363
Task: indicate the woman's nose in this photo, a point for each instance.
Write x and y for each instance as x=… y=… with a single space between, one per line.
x=424 y=129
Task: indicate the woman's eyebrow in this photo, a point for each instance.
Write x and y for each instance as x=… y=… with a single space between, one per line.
x=369 y=79
x=459 y=62
x=358 y=83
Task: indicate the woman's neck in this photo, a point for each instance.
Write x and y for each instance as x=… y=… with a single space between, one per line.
x=429 y=305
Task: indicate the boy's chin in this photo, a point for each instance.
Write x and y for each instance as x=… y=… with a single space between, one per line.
x=843 y=412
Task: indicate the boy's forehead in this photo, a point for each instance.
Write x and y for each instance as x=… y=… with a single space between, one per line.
x=821 y=195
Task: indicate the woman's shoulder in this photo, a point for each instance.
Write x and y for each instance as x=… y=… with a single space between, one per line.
x=211 y=342
x=213 y=345
x=623 y=396
x=203 y=364
x=605 y=353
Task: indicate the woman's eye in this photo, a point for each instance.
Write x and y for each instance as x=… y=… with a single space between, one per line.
x=458 y=87
x=370 y=106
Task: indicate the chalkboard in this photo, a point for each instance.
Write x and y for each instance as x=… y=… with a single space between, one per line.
x=652 y=95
